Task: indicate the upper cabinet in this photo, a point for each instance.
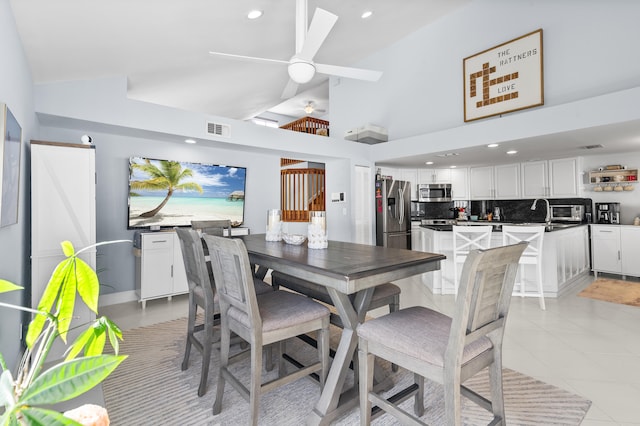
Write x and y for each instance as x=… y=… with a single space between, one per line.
x=460 y=183
x=495 y=182
x=410 y=175
x=554 y=178
x=434 y=175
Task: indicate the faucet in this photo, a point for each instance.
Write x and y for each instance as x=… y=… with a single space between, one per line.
x=547 y=219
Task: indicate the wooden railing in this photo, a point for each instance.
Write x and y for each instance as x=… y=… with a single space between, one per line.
x=308 y=125
x=302 y=191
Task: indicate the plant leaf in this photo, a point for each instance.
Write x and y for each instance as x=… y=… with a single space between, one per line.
x=88 y=284
x=79 y=344
x=43 y=417
x=67 y=248
x=70 y=379
x=96 y=346
x=7 y=397
x=66 y=303
x=6 y=286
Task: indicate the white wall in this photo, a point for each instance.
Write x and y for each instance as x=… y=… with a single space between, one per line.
x=629 y=200
x=420 y=96
x=17 y=93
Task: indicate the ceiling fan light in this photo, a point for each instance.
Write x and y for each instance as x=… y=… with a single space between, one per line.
x=308 y=109
x=301 y=72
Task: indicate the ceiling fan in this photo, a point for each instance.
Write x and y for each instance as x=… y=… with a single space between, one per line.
x=301 y=67
x=310 y=108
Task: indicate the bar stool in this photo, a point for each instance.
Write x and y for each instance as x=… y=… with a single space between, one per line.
x=534 y=235
x=465 y=239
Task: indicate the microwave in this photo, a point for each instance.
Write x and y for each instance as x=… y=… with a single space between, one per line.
x=434 y=192
x=567 y=213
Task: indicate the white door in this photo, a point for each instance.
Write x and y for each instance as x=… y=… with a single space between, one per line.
x=507 y=181
x=630 y=250
x=605 y=248
x=481 y=183
x=460 y=183
x=63 y=207
x=535 y=181
x=563 y=176
x=363 y=205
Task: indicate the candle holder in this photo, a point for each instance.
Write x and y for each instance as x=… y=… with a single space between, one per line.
x=317 y=230
x=274 y=225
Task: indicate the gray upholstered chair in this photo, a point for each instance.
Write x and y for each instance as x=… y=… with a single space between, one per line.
x=221 y=228
x=201 y=294
x=448 y=350
x=260 y=320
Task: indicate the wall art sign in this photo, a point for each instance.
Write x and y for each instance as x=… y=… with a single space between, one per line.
x=10 y=149
x=504 y=78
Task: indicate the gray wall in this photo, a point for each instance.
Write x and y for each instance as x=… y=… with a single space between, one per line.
x=16 y=91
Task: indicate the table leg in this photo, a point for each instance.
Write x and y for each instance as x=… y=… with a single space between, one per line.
x=351 y=315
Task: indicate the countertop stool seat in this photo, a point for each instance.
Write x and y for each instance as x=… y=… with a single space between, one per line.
x=534 y=235
x=465 y=239
x=447 y=350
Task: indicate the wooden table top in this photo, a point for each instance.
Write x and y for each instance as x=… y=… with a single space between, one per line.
x=347 y=267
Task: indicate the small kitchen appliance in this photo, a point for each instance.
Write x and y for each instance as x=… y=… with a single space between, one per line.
x=567 y=212
x=434 y=192
x=608 y=213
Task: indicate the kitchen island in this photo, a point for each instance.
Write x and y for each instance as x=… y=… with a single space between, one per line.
x=565 y=258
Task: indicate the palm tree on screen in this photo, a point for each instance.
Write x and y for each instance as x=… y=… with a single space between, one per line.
x=165 y=178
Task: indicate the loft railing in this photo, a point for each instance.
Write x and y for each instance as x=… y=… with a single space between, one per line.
x=312 y=125
x=303 y=190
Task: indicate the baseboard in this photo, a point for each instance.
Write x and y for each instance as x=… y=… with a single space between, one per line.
x=117 y=298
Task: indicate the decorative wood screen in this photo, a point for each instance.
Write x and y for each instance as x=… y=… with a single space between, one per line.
x=302 y=191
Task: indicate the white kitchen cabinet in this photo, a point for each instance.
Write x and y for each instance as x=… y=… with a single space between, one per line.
x=564 y=177
x=481 y=183
x=615 y=249
x=605 y=249
x=159 y=267
x=411 y=176
x=495 y=182
x=630 y=250
x=63 y=207
x=460 y=183
x=554 y=178
x=434 y=175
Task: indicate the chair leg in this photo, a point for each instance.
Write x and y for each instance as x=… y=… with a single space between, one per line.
x=225 y=343
x=540 y=289
x=393 y=307
x=418 y=404
x=323 y=353
x=497 y=395
x=256 y=382
x=365 y=371
x=191 y=323
x=282 y=367
x=452 y=403
x=207 y=341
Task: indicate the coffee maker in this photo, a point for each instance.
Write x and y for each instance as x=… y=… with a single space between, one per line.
x=608 y=213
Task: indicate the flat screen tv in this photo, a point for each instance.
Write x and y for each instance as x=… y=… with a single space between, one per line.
x=166 y=194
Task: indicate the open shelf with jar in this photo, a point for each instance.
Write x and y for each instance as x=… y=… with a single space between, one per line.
x=609 y=179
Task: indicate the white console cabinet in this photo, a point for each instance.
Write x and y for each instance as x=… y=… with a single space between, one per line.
x=614 y=249
x=159 y=266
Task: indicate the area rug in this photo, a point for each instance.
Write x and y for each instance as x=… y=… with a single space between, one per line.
x=614 y=291
x=149 y=388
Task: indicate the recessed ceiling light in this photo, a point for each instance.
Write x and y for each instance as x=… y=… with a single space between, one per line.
x=189 y=141
x=513 y=151
x=254 y=14
x=452 y=167
x=428 y=163
x=366 y=14
x=492 y=145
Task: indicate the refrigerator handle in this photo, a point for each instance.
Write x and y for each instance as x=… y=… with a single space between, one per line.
x=401 y=199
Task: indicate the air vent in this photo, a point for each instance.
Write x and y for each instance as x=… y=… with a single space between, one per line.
x=218 y=129
x=592 y=146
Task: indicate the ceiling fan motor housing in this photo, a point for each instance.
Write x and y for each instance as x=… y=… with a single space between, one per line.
x=301 y=71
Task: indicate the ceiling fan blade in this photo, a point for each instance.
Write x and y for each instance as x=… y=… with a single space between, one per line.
x=355 y=73
x=321 y=25
x=248 y=58
x=289 y=90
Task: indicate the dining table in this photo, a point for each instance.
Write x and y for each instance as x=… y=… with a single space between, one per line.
x=350 y=272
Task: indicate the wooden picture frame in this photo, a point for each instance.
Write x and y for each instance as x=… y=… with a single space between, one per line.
x=10 y=153
x=505 y=78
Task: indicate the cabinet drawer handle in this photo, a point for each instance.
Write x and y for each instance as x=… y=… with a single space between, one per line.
x=602 y=230
x=164 y=241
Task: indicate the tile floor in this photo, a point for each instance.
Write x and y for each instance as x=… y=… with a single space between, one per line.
x=589 y=347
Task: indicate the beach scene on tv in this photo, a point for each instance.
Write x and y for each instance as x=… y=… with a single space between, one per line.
x=173 y=193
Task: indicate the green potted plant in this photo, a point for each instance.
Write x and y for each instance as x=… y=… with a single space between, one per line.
x=34 y=385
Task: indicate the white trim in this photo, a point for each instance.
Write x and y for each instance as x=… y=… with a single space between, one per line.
x=117 y=298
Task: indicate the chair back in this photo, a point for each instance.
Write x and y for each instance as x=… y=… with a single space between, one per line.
x=487 y=281
x=195 y=264
x=471 y=237
x=534 y=235
x=233 y=276
x=212 y=227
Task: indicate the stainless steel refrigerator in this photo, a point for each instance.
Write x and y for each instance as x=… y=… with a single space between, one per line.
x=393 y=213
